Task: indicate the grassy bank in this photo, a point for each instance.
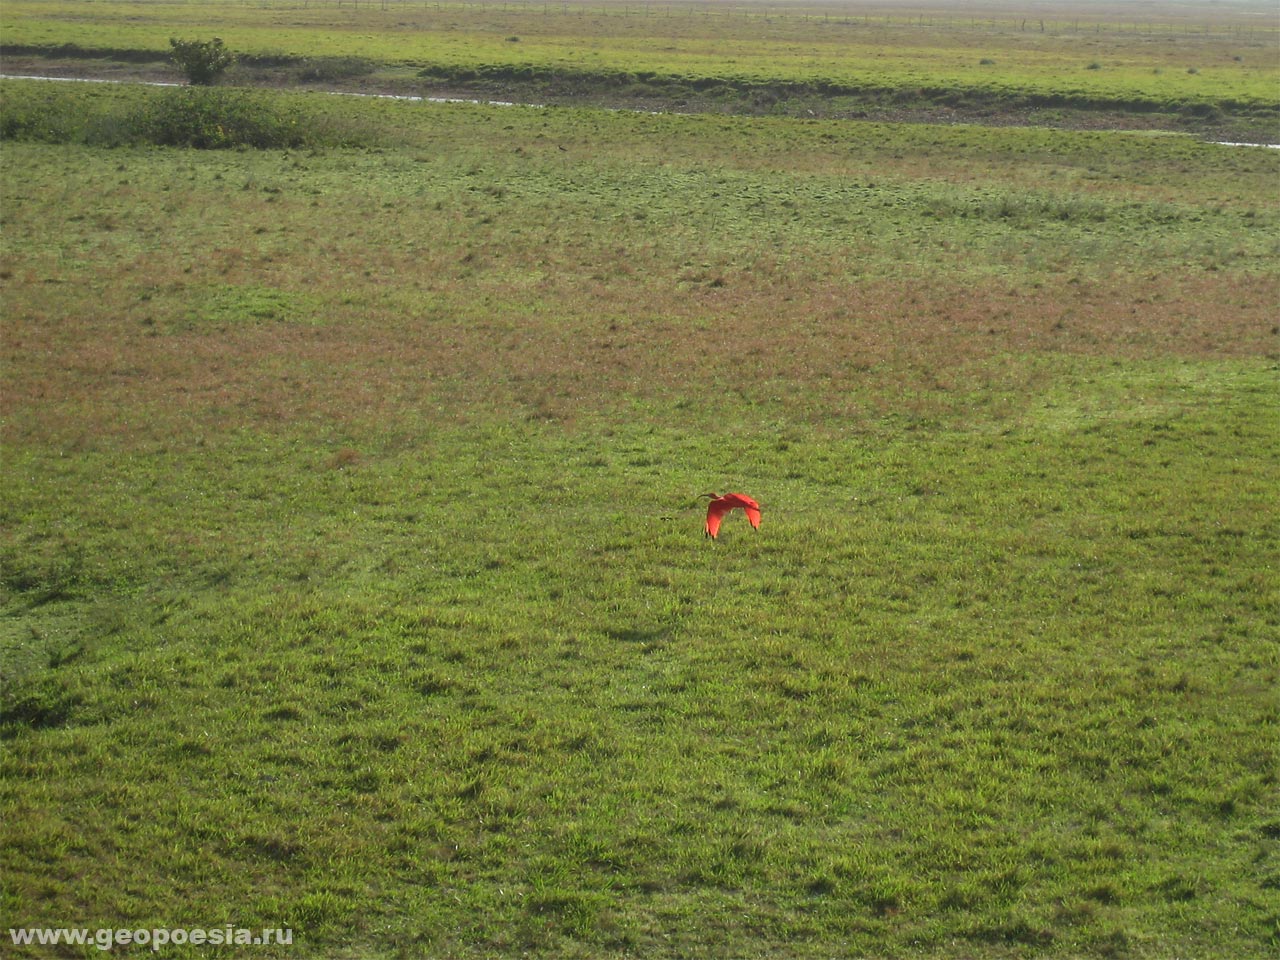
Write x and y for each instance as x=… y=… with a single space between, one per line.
x=798 y=61
x=353 y=576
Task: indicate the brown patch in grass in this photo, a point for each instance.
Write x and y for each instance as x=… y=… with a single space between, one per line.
x=810 y=344
x=344 y=458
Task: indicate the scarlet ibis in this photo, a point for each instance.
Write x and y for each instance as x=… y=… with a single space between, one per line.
x=719 y=506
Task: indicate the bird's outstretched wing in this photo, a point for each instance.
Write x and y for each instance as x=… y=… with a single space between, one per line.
x=716 y=510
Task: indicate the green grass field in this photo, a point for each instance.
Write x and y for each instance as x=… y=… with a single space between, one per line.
x=353 y=577
x=1212 y=68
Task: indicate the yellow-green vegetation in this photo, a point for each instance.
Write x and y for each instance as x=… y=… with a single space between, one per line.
x=796 y=58
x=351 y=565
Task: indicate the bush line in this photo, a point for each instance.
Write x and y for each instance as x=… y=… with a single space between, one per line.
x=197 y=117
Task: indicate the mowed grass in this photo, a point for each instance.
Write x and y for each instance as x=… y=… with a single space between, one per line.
x=353 y=568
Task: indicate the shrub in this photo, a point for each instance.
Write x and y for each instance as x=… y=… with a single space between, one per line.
x=202 y=61
x=207 y=119
x=198 y=117
x=34 y=118
x=228 y=119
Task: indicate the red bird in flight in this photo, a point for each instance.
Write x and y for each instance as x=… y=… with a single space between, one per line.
x=719 y=506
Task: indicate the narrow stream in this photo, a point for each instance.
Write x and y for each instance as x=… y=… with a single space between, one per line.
x=415 y=99
x=336 y=93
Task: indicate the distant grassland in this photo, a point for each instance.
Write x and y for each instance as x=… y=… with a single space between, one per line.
x=797 y=51
x=351 y=569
